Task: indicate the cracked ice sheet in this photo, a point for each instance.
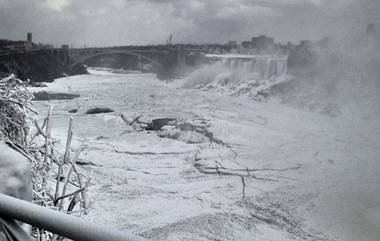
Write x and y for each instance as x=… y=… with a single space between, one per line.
x=321 y=177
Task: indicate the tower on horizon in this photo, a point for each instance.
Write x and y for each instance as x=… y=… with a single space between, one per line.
x=29 y=37
x=29 y=41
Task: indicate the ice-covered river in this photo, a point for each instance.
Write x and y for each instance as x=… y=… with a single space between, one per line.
x=307 y=176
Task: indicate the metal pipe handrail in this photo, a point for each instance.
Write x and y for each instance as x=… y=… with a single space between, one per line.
x=60 y=223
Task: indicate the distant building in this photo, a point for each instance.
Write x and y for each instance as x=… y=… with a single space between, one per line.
x=246 y=44
x=262 y=42
x=371 y=29
x=64 y=46
x=259 y=45
x=7 y=45
x=305 y=44
x=302 y=55
x=232 y=44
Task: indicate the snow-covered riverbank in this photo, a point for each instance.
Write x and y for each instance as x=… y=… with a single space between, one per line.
x=307 y=176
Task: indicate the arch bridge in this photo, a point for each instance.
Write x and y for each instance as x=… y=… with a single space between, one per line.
x=165 y=62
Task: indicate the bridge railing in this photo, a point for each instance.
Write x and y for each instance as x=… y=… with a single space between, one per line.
x=62 y=224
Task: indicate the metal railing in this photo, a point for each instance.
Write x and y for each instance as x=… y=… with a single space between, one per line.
x=60 y=223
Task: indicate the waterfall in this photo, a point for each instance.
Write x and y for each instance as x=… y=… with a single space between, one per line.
x=239 y=74
x=265 y=67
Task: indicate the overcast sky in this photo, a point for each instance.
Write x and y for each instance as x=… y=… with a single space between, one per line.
x=122 y=22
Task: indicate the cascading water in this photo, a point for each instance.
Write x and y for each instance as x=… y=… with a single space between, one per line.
x=265 y=67
x=251 y=75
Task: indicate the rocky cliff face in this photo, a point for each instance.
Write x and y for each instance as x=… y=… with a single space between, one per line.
x=38 y=66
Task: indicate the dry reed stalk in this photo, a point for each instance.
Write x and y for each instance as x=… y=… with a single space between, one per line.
x=65 y=157
x=48 y=136
x=67 y=180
